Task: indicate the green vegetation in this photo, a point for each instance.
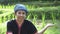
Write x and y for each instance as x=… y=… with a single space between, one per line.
x=39 y=14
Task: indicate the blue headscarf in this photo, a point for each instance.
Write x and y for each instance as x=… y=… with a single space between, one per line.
x=20 y=7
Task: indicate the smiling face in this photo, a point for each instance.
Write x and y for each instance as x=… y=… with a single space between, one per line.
x=20 y=14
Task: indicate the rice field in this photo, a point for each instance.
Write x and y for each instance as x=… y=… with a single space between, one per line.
x=37 y=19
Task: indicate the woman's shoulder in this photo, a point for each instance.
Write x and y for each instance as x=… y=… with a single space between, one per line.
x=10 y=21
x=28 y=22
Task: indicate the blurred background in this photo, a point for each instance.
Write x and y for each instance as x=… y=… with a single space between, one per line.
x=40 y=12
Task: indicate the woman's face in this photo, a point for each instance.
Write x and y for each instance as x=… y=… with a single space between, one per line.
x=20 y=14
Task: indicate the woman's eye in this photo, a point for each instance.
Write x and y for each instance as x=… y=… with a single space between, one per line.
x=23 y=13
x=19 y=13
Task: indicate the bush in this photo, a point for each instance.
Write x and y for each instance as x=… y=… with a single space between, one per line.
x=50 y=12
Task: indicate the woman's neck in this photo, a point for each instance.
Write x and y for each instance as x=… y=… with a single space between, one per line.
x=20 y=21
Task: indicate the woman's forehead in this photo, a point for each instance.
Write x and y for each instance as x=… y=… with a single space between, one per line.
x=21 y=11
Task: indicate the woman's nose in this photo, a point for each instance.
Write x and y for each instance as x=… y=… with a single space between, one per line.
x=21 y=14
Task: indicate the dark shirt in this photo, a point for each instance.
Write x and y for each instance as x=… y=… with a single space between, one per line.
x=26 y=28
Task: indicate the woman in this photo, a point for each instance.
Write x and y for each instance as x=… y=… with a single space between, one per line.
x=20 y=25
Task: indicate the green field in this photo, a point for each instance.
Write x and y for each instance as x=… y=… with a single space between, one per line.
x=39 y=16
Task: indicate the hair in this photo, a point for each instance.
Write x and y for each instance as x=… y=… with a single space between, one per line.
x=18 y=10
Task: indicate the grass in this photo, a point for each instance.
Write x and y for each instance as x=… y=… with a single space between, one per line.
x=51 y=30
x=2 y=28
x=5 y=16
x=55 y=29
x=38 y=23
